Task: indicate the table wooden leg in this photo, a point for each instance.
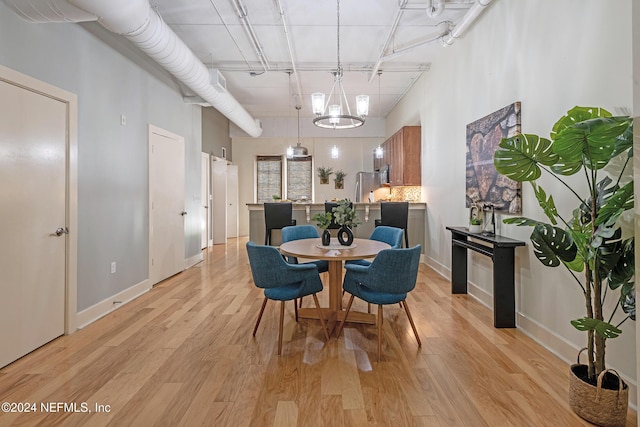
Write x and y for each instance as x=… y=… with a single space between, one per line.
x=335 y=285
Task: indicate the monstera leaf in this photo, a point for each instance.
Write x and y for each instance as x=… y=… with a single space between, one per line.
x=518 y=157
x=619 y=202
x=577 y=115
x=604 y=329
x=553 y=245
x=590 y=143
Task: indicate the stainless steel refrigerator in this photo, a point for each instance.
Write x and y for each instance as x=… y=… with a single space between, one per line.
x=367 y=184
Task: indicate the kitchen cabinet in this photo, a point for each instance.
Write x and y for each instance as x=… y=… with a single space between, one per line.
x=402 y=152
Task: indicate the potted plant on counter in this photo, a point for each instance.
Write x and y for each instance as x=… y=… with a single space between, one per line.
x=323 y=220
x=324 y=173
x=346 y=217
x=588 y=241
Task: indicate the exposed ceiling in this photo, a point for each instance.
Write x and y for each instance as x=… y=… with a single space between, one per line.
x=267 y=50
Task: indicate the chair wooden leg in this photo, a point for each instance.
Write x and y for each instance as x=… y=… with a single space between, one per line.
x=369 y=307
x=379 y=330
x=300 y=303
x=345 y=317
x=413 y=325
x=264 y=304
x=324 y=326
x=281 y=327
x=295 y=309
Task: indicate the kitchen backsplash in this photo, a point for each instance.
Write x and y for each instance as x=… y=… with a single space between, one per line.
x=411 y=194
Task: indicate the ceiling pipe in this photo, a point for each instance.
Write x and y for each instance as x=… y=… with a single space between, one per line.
x=435 y=8
x=135 y=20
x=468 y=19
x=407 y=49
x=392 y=32
x=243 y=15
x=290 y=47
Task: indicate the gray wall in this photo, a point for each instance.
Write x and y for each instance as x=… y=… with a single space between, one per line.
x=215 y=133
x=112 y=159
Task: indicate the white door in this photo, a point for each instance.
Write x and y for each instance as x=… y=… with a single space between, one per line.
x=232 y=201
x=166 y=204
x=33 y=161
x=204 y=198
x=219 y=201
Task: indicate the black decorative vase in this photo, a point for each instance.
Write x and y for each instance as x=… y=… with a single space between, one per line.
x=345 y=236
x=326 y=238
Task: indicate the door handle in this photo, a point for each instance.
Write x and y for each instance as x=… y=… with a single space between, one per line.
x=61 y=230
x=183 y=213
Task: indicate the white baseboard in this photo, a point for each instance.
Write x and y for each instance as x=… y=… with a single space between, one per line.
x=564 y=349
x=441 y=269
x=549 y=340
x=101 y=309
x=190 y=262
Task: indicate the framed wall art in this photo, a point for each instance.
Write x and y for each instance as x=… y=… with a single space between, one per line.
x=484 y=185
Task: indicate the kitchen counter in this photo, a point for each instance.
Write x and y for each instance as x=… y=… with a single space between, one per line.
x=367 y=212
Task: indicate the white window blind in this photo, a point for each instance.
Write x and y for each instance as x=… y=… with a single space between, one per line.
x=269 y=178
x=299 y=178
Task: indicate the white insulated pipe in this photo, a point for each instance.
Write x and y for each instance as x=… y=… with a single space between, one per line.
x=135 y=20
x=468 y=19
x=435 y=8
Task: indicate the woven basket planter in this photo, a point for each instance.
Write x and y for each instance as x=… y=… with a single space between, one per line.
x=596 y=404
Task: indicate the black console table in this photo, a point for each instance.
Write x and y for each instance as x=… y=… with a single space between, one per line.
x=501 y=251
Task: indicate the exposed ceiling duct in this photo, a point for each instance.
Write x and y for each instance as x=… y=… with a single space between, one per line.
x=135 y=20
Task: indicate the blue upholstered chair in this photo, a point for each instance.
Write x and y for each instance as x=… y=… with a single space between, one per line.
x=282 y=282
x=299 y=232
x=303 y=232
x=390 y=235
x=388 y=279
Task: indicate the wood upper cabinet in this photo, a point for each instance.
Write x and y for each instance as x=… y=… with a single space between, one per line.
x=402 y=152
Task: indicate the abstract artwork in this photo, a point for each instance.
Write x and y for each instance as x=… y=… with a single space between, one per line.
x=484 y=184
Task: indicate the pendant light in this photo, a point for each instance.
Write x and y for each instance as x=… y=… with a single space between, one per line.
x=334 y=116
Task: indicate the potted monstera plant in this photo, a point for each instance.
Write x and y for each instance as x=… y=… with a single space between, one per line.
x=588 y=241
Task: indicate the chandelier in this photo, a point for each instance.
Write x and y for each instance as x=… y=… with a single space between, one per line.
x=338 y=115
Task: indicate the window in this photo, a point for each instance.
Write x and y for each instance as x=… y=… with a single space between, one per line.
x=299 y=178
x=269 y=178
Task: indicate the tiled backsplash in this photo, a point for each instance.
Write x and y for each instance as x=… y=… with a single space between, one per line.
x=411 y=194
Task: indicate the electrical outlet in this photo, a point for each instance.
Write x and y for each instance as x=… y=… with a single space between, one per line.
x=123 y=120
x=113 y=267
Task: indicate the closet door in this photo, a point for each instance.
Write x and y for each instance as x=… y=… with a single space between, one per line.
x=33 y=162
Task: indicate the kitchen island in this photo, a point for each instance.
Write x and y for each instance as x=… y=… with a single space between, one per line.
x=367 y=212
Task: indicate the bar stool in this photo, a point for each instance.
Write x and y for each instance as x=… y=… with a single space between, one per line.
x=395 y=214
x=276 y=217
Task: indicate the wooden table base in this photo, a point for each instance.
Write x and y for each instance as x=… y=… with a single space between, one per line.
x=332 y=317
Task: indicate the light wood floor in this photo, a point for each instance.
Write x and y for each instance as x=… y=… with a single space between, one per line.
x=183 y=354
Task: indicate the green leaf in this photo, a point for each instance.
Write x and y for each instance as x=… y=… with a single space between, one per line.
x=628 y=301
x=547 y=204
x=518 y=157
x=620 y=201
x=576 y=115
x=623 y=271
x=520 y=221
x=591 y=142
x=604 y=329
x=553 y=245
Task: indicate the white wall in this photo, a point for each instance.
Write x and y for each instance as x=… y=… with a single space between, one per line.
x=551 y=55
